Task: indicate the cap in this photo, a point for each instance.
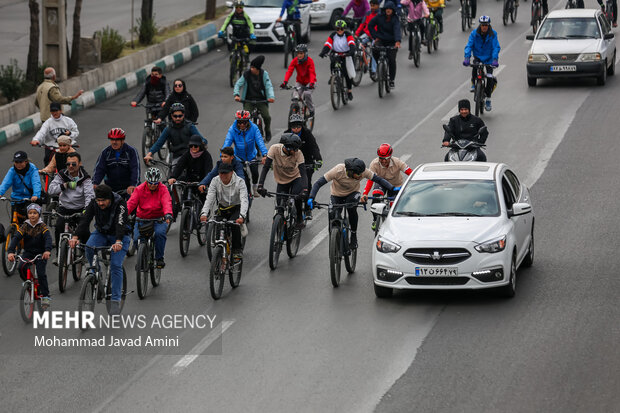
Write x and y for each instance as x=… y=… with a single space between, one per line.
x=195 y=140
x=55 y=106
x=225 y=168
x=20 y=156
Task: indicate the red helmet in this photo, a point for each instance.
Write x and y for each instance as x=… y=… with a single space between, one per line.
x=385 y=150
x=242 y=115
x=116 y=133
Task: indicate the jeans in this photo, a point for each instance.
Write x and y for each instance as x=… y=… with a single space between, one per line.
x=98 y=239
x=263 y=109
x=373 y=63
x=40 y=265
x=307 y=97
x=160 y=237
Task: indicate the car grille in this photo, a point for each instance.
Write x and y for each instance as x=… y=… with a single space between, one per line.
x=436 y=256
x=564 y=57
x=264 y=39
x=437 y=280
x=262 y=25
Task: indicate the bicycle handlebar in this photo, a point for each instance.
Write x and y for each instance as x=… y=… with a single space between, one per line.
x=156 y=162
x=223 y=221
x=74 y=215
x=30 y=261
x=183 y=183
x=162 y=219
x=253 y=102
x=383 y=198
x=17 y=201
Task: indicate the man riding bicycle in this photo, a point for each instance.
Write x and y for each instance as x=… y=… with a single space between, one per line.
x=256 y=85
x=484 y=45
x=119 y=164
x=56 y=126
x=23 y=179
x=245 y=137
x=111 y=229
x=227 y=198
x=242 y=27
x=346 y=180
x=152 y=201
x=363 y=34
x=289 y=172
x=306 y=75
x=293 y=15
x=385 y=29
x=156 y=89
x=227 y=155
x=341 y=41
x=466 y=126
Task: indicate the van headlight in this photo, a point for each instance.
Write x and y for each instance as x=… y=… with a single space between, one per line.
x=590 y=57
x=537 y=58
x=491 y=246
x=385 y=246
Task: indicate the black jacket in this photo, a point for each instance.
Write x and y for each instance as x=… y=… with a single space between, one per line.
x=193 y=169
x=155 y=94
x=386 y=31
x=184 y=98
x=309 y=147
x=37 y=239
x=110 y=221
x=465 y=128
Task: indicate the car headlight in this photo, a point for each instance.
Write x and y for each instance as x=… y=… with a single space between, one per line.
x=491 y=246
x=317 y=6
x=386 y=246
x=537 y=58
x=590 y=57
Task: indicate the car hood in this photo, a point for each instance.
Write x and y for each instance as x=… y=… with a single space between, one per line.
x=566 y=46
x=462 y=229
x=263 y=14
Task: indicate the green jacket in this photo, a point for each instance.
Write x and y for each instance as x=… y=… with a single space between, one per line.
x=238 y=23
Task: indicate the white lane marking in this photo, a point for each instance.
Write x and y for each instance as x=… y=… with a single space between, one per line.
x=405 y=157
x=314 y=242
x=200 y=347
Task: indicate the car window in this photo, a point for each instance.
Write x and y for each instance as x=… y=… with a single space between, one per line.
x=565 y=28
x=514 y=182
x=263 y=3
x=604 y=24
x=508 y=194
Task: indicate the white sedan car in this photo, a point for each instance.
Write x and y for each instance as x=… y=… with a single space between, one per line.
x=572 y=43
x=326 y=12
x=455 y=225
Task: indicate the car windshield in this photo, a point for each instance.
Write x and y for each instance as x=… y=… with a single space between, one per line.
x=569 y=28
x=448 y=198
x=263 y=3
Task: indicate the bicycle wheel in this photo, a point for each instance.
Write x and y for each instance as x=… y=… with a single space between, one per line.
x=63 y=264
x=276 y=240
x=350 y=261
x=185 y=231
x=234 y=276
x=217 y=273
x=429 y=37
x=293 y=237
x=155 y=275
x=131 y=251
x=334 y=92
x=88 y=297
x=210 y=241
x=147 y=140
x=535 y=16
x=506 y=12
x=8 y=266
x=78 y=264
x=416 y=50
x=436 y=36
x=334 y=256
x=381 y=78
x=378 y=222
x=142 y=270
x=359 y=69
x=343 y=91
x=287 y=47
x=26 y=302
x=513 y=11
x=464 y=17
x=162 y=154
x=232 y=75
x=309 y=124
x=108 y=292
x=203 y=236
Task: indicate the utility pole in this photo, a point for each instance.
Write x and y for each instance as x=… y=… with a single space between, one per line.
x=132 y=24
x=54 y=34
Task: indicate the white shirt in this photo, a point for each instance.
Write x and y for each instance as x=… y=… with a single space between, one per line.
x=53 y=128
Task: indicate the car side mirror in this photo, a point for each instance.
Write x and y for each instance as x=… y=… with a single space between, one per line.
x=379 y=208
x=608 y=36
x=529 y=37
x=520 y=208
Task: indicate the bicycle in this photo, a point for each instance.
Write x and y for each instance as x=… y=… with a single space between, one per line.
x=299 y=106
x=290 y=41
x=66 y=255
x=510 y=10
x=165 y=169
x=50 y=201
x=402 y=17
x=190 y=217
x=8 y=266
x=145 y=265
x=480 y=86
x=222 y=262
x=465 y=15
x=536 y=15
x=415 y=42
x=609 y=11
x=337 y=89
x=284 y=228
x=255 y=115
x=97 y=283
x=239 y=59
x=432 y=32
x=379 y=218
x=152 y=130
x=30 y=290
x=360 y=63
x=383 y=81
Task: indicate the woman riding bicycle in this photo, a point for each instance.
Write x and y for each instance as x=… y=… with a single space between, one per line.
x=385 y=29
x=194 y=165
x=416 y=12
x=341 y=42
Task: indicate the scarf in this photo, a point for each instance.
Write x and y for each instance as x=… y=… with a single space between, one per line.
x=196 y=154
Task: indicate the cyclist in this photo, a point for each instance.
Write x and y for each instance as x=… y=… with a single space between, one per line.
x=437 y=6
x=245 y=137
x=23 y=179
x=179 y=95
x=364 y=36
x=289 y=172
x=156 y=90
x=111 y=229
x=152 y=200
x=119 y=164
x=242 y=27
x=484 y=45
x=56 y=126
x=306 y=75
x=346 y=180
x=385 y=29
x=75 y=190
x=177 y=135
x=292 y=14
x=59 y=158
x=37 y=240
x=227 y=155
x=341 y=41
x=466 y=126
x=195 y=164
x=614 y=10
x=256 y=85
x=309 y=148
x=416 y=12
x=227 y=198
x=360 y=9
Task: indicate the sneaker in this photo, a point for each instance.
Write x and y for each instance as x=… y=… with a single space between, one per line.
x=237 y=257
x=46 y=302
x=410 y=56
x=353 y=242
x=115 y=308
x=373 y=76
x=487 y=105
x=308 y=215
x=423 y=42
x=350 y=95
x=391 y=84
x=159 y=263
x=615 y=24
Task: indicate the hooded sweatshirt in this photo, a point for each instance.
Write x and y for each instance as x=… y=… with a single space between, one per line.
x=53 y=128
x=235 y=193
x=184 y=98
x=77 y=198
x=386 y=29
x=150 y=204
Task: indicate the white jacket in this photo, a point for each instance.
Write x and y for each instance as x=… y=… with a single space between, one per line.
x=235 y=193
x=53 y=128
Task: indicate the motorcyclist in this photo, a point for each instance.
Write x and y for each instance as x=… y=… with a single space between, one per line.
x=466 y=126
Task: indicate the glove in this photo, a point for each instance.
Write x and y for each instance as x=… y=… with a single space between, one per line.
x=283 y=85
x=321 y=55
x=262 y=191
x=317 y=165
x=221 y=34
x=495 y=63
x=252 y=36
x=311 y=86
x=310 y=203
x=168 y=217
x=466 y=61
x=396 y=188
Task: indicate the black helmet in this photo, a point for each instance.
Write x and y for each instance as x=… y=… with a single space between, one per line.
x=302 y=47
x=290 y=141
x=355 y=165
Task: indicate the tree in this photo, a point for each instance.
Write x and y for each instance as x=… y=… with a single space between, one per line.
x=75 y=44
x=32 y=66
x=147 y=24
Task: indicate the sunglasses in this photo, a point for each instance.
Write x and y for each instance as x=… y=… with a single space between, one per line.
x=340 y=29
x=177 y=116
x=153 y=183
x=386 y=158
x=178 y=85
x=72 y=164
x=243 y=122
x=194 y=146
x=116 y=140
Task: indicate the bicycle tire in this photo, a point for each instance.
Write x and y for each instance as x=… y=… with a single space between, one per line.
x=185 y=232
x=505 y=12
x=378 y=222
x=63 y=264
x=334 y=256
x=88 y=297
x=202 y=234
x=334 y=93
x=276 y=240
x=436 y=36
x=479 y=98
x=358 y=64
x=513 y=12
x=234 y=275
x=76 y=266
x=210 y=241
x=343 y=91
x=155 y=276
x=108 y=293
x=216 y=275
x=8 y=266
x=142 y=269
x=26 y=303
x=293 y=236
x=131 y=251
x=416 y=50
x=147 y=141
x=287 y=46
x=464 y=16
x=429 y=38
x=232 y=71
x=350 y=261
x=381 y=78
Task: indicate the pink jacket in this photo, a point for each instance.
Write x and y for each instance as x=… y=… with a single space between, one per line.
x=415 y=11
x=150 y=205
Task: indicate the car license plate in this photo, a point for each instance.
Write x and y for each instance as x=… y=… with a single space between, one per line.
x=436 y=271
x=261 y=33
x=565 y=68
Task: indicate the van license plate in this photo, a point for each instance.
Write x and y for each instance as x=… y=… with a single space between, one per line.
x=565 y=68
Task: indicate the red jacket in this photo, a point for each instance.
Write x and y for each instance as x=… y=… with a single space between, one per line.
x=363 y=27
x=305 y=71
x=150 y=204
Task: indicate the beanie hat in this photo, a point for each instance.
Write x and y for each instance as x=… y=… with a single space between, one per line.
x=464 y=104
x=104 y=192
x=258 y=62
x=64 y=139
x=36 y=207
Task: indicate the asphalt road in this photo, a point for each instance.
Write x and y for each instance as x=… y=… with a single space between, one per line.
x=289 y=341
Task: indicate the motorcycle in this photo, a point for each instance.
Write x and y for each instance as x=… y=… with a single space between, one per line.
x=464 y=150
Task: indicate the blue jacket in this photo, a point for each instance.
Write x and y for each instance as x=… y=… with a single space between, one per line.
x=292 y=8
x=120 y=169
x=235 y=163
x=386 y=31
x=266 y=81
x=484 y=48
x=245 y=142
x=19 y=186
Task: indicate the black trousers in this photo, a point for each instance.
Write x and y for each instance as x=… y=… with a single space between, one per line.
x=490 y=82
x=391 y=59
x=294 y=188
x=353 y=217
x=343 y=70
x=232 y=214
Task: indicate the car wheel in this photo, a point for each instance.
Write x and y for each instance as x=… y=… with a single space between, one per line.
x=336 y=15
x=383 y=292
x=611 y=70
x=528 y=261
x=531 y=81
x=602 y=79
x=509 y=290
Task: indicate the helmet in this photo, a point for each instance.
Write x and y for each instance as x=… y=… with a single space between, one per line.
x=340 y=24
x=290 y=141
x=116 y=133
x=354 y=165
x=242 y=115
x=152 y=175
x=177 y=107
x=302 y=47
x=238 y=3
x=296 y=118
x=484 y=20
x=385 y=150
